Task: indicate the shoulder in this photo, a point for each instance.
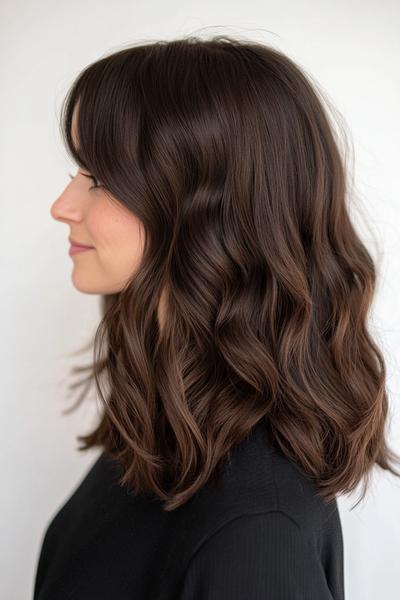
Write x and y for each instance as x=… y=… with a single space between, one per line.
x=260 y=555
x=258 y=477
x=249 y=556
x=261 y=531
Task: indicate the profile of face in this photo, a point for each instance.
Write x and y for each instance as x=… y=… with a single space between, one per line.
x=115 y=234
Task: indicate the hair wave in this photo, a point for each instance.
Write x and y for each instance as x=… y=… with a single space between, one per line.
x=225 y=149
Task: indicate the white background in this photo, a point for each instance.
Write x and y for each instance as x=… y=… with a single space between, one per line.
x=352 y=48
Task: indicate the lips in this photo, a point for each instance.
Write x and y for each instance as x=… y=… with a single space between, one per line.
x=79 y=245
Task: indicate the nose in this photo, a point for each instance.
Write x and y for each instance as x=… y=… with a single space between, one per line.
x=58 y=210
x=54 y=210
x=65 y=208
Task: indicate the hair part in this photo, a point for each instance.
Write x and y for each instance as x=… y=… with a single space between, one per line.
x=225 y=151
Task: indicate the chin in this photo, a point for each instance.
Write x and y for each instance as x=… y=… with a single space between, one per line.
x=84 y=286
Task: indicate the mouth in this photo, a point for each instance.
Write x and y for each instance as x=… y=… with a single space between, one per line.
x=77 y=249
x=78 y=245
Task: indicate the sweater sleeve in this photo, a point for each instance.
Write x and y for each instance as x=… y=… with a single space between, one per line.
x=257 y=557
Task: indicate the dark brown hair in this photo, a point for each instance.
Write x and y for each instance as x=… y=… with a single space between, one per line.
x=225 y=150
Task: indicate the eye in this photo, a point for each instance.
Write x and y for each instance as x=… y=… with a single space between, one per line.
x=93 y=178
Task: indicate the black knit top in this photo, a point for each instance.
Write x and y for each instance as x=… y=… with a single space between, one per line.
x=260 y=533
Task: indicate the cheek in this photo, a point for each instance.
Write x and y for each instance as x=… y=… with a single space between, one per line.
x=118 y=237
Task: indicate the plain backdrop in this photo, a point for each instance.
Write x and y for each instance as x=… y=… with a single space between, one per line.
x=352 y=48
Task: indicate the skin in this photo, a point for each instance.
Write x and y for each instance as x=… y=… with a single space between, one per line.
x=95 y=220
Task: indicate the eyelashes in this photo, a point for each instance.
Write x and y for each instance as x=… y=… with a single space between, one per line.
x=93 y=178
x=96 y=183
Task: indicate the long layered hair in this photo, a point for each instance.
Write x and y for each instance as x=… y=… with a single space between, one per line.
x=227 y=152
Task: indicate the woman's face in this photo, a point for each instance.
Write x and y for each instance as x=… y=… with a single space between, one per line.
x=115 y=234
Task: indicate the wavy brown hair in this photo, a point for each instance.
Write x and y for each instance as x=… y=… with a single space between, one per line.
x=226 y=151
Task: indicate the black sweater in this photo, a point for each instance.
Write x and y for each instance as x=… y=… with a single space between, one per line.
x=262 y=533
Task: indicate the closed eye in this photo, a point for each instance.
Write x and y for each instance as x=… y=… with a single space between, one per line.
x=93 y=178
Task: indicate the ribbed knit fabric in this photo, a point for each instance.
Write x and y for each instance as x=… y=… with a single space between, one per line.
x=260 y=533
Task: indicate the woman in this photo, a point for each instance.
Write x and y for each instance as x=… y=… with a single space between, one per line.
x=241 y=391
